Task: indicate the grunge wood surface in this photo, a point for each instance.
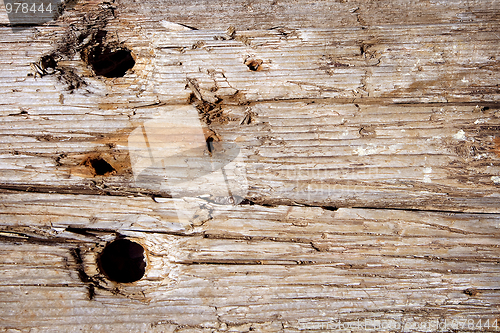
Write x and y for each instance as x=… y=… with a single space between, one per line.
x=369 y=135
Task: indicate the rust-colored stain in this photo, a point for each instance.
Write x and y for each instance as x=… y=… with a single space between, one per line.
x=496 y=145
x=101 y=164
x=443 y=85
x=109 y=106
x=110 y=158
x=98 y=166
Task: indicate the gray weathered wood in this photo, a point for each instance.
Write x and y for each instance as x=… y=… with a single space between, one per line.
x=245 y=264
x=332 y=144
x=369 y=143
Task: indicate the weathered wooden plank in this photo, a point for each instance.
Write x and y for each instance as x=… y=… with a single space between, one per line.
x=300 y=14
x=296 y=14
x=143 y=214
x=245 y=265
x=352 y=147
x=434 y=63
x=321 y=154
x=332 y=104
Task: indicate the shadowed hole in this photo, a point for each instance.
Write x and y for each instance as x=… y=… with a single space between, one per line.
x=123 y=261
x=100 y=166
x=110 y=62
x=471 y=292
x=210 y=145
x=254 y=65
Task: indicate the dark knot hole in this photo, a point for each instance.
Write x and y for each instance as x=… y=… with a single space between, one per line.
x=123 y=261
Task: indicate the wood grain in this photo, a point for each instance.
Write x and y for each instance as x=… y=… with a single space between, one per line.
x=327 y=126
x=244 y=265
x=369 y=167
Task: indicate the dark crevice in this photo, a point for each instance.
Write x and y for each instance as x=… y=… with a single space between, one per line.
x=421 y=210
x=272 y=203
x=80 y=189
x=84 y=231
x=210 y=145
x=91 y=282
x=333 y=209
x=13 y=236
x=138 y=192
x=187 y=26
x=77 y=256
x=91 y=291
x=251 y=202
x=246 y=202
x=91 y=231
x=285 y=203
x=315 y=247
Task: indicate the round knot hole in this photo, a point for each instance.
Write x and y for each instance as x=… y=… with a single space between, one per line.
x=123 y=261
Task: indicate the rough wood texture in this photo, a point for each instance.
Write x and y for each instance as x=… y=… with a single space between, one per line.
x=369 y=137
x=244 y=265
